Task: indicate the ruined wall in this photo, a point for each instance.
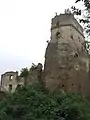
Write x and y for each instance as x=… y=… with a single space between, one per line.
x=66 y=20
x=10 y=81
x=35 y=75
x=66 y=61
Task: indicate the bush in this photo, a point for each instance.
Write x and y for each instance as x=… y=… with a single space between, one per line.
x=37 y=103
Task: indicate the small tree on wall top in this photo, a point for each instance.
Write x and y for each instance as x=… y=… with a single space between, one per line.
x=24 y=73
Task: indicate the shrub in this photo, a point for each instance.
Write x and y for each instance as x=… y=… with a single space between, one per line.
x=37 y=103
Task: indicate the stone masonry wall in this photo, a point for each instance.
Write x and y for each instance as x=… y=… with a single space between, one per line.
x=10 y=81
x=66 y=61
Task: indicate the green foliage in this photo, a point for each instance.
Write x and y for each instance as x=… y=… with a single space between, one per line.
x=84 y=18
x=33 y=67
x=24 y=72
x=84 y=12
x=37 y=103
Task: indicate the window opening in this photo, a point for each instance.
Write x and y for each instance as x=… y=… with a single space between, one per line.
x=57 y=34
x=10 y=87
x=76 y=55
x=57 y=24
x=11 y=77
x=72 y=37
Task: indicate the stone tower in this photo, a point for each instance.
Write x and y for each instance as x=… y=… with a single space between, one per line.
x=66 y=61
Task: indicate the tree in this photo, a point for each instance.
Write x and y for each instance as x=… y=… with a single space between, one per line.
x=33 y=67
x=85 y=19
x=24 y=73
x=35 y=103
x=85 y=12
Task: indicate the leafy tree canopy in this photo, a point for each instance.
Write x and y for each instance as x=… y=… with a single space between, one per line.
x=83 y=15
x=84 y=12
x=24 y=72
x=37 y=103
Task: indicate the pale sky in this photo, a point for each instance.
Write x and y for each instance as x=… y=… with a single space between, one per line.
x=24 y=30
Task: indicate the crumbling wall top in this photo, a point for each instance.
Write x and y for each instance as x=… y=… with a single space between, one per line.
x=10 y=73
x=66 y=19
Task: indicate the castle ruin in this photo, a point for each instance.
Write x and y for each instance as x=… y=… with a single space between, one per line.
x=66 y=64
x=66 y=60
x=11 y=81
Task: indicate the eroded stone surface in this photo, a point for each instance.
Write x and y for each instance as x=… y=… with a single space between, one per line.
x=66 y=61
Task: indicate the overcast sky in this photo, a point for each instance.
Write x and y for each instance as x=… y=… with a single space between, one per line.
x=24 y=30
